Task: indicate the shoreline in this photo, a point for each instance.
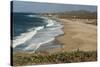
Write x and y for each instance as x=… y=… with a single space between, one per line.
x=46 y=47
x=64 y=40
x=83 y=39
x=58 y=45
x=70 y=52
x=72 y=40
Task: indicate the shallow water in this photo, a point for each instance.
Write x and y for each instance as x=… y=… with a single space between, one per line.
x=41 y=33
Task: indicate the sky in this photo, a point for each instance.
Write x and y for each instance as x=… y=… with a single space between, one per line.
x=36 y=7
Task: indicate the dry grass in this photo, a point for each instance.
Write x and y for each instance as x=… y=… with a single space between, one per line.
x=61 y=57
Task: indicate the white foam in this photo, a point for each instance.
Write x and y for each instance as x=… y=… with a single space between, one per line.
x=40 y=36
x=25 y=36
x=50 y=23
x=32 y=16
x=39 y=28
x=44 y=36
x=36 y=46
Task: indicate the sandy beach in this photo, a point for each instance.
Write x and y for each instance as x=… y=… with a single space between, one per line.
x=78 y=35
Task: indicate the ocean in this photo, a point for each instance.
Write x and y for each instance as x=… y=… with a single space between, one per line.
x=32 y=32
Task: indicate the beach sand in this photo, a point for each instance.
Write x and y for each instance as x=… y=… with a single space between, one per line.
x=78 y=36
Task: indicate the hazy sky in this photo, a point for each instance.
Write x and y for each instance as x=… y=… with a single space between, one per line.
x=35 y=7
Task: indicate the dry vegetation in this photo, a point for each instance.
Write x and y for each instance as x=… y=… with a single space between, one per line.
x=61 y=57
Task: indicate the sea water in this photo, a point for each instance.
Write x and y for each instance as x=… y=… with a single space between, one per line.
x=32 y=32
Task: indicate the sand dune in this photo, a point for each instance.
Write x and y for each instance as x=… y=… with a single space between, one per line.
x=78 y=35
